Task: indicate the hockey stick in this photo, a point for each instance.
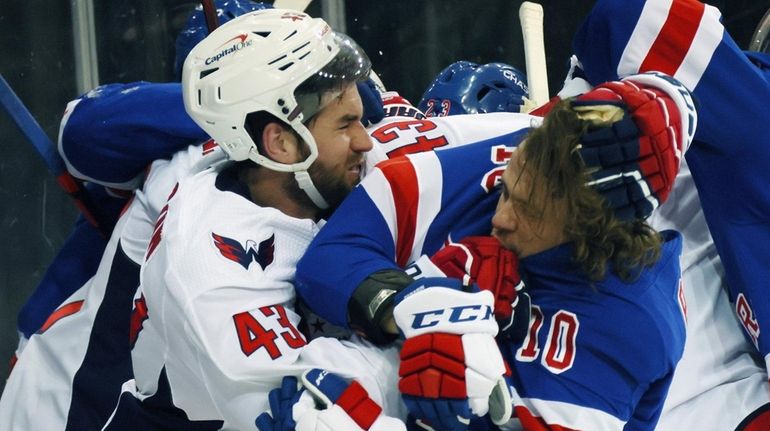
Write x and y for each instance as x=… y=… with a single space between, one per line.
x=531 y=17
x=47 y=150
x=211 y=14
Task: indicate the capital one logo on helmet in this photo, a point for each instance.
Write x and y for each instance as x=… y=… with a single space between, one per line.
x=242 y=43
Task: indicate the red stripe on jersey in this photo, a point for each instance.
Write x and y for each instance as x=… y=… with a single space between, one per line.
x=60 y=313
x=534 y=423
x=676 y=36
x=402 y=177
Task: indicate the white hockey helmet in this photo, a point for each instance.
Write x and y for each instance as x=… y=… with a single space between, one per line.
x=279 y=61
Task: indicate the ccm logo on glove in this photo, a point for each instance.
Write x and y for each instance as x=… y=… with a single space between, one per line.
x=457 y=314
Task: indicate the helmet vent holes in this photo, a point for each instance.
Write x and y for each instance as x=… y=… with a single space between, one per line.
x=264 y=34
x=301 y=57
x=483 y=92
x=219 y=93
x=286 y=66
x=290 y=35
x=199 y=97
x=207 y=72
x=276 y=60
x=300 y=47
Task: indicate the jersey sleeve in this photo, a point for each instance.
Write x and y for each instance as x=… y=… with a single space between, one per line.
x=112 y=133
x=686 y=39
x=408 y=206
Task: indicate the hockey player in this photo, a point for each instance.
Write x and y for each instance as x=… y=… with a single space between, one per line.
x=721 y=383
x=599 y=256
x=220 y=328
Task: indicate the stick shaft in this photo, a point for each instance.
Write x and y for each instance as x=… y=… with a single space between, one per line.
x=531 y=17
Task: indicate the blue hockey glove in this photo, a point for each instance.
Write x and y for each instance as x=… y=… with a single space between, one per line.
x=372 y=101
x=325 y=402
x=282 y=401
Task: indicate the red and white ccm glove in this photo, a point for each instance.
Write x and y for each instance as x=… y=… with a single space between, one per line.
x=451 y=368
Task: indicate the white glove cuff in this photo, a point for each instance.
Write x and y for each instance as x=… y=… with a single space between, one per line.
x=422 y=268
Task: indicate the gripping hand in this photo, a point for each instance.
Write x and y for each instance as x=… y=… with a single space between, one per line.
x=374 y=111
x=640 y=128
x=483 y=261
x=451 y=368
x=282 y=402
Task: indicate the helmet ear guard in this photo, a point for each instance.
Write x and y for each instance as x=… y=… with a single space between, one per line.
x=277 y=61
x=464 y=87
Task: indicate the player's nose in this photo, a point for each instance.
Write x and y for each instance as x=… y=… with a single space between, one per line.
x=504 y=219
x=360 y=141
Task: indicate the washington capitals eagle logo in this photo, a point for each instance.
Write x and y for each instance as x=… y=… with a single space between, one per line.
x=262 y=253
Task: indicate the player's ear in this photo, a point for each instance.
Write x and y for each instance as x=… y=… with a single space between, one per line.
x=279 y=143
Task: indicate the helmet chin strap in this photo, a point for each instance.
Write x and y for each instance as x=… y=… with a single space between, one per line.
x=306 y=184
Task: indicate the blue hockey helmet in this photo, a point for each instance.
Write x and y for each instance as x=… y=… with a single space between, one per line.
x=465 y=87
x=195 y=29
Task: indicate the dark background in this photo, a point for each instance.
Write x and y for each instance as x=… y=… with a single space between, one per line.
x=408 y=41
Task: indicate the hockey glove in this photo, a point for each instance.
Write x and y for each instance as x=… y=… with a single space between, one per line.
x=451 y=368
x=324 y=402
x=483 y=261
x=640 y=128
x=372 y=101
x=282 y=401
